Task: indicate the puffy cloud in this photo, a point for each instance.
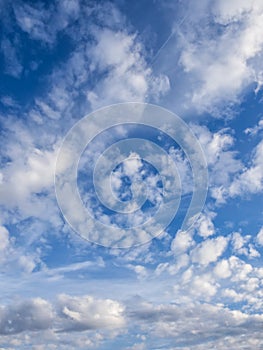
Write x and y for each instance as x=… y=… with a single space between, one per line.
x=26 y=181
x=246 y=180
x=182 y=261
x=65 y=315
x=241 y=245
x=128 y=77
x=222 y=160
x=182 y=242
x=209 y=250
x=232 y=49
x=240 y=269
x=204 y=225
x=83 y=313
x=251 y=179
x=222 y=269
x=22 y=179
x=140 y=270
x=238 y=242
x=27 y=186
x=14 y=258
x=31 y=315
x=182 y=326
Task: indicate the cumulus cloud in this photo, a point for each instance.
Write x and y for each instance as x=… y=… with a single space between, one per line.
x=222 y=160
x=128 y=78
x=182 y=242
x=242 y=246
x=31 y=315
x=251 y=179
x=244 y=180
x=222 y=269
x=204 y=225
x=186 y=325
x=230 y=50
x=27 y=182
x=111 y=66
x=209 y=250
x=83 y=313
x=67 y=314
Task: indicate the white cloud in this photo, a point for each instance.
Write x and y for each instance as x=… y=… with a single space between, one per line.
x=251 y=179
x=173 y=268
x=128 y=78
x=66 y=314
x=230 y=50
x=241 y=245
x=209 y=250
x=83 y=313
x=243 y=181
x=239 y=241
x=182 y=326
x=256 y=129
x=204 y=225
x=119 y=57
x=222 y=269
x=182 y=242
x=232 y=294
x=240 y=269
x=28 y=182
x=140 y=270
x=222 y=160
x=204 y=287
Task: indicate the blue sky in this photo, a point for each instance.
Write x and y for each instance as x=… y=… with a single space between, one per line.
x=116 y=283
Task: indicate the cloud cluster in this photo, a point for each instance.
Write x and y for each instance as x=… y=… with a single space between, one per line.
x=89 y=322
x=200 y=288
x=66 y=315
x=232 y=49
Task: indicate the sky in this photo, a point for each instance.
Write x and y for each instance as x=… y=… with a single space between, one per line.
x=131 y=174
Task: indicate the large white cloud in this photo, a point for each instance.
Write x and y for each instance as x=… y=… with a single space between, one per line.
x=209 y=251
x=82 y=313
x=222 y=62
x=251 y=179
x=119 y=55
x=68 y=313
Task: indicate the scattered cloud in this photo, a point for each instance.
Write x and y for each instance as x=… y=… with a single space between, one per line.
x=13 y=64
x=209 y=250
x=251 y=179
x=233 y=49
x=200 y=288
